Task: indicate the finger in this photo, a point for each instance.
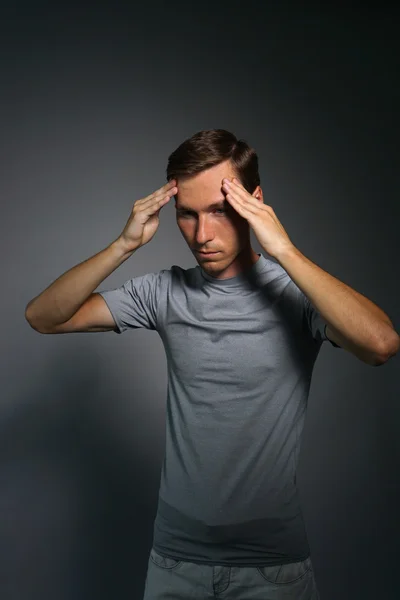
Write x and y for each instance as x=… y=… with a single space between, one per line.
x=239 y=190
x=243 y=199
x=238 y=206
x=166 y=186
x=236 y=181
x=162 y=190
x=154 y=207
x=163 y=193
x=157 y=196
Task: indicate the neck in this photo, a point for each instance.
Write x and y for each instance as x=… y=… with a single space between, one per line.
x=247 y=258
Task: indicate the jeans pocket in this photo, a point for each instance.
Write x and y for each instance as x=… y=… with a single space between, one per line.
x=164 y=562
x=286 y=574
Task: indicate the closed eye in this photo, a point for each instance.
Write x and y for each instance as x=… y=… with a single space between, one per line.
x=185 y=213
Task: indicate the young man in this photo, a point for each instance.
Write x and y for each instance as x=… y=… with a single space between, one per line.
x=241 y=332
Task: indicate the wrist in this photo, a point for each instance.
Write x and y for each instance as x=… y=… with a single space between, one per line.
x=286 y=253
x=122 y=248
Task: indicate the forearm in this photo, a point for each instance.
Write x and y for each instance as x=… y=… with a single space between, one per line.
x=61 y=300
x=356 y=317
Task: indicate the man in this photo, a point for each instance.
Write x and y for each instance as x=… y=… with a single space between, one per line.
x=241 y=333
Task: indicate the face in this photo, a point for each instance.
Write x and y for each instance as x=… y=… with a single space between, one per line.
x=210 y=224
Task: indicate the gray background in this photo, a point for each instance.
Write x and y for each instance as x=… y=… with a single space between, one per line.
x=93 y=100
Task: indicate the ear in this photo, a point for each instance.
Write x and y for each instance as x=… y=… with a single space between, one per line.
x=258 y=194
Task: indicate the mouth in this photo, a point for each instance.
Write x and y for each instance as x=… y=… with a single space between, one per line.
x=207 y=253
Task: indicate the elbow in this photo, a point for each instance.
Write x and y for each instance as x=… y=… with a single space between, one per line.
x=28 y=313
x=389 y=349
x=29 y=318
x=31 y=323
x=396 y=344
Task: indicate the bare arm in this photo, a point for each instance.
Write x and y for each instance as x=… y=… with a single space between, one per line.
x=69 y=304
x=67 y=294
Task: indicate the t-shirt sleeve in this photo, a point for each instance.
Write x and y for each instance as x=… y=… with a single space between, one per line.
x=316 y=323
x=135 y=304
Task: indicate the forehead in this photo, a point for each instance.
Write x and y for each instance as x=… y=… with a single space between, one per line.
x=205 y=184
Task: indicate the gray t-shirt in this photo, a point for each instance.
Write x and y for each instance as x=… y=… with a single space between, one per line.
x=240 y=355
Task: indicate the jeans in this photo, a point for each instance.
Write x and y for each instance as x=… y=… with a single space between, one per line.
x=171 y=579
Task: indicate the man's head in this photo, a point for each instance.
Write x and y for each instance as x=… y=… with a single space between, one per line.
x=205 y=218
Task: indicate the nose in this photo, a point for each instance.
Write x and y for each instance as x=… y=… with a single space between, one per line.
x=204 y=231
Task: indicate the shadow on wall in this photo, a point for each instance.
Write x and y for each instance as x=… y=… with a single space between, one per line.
x=75 y=512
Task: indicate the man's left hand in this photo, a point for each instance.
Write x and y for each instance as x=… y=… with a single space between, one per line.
x=262 y=219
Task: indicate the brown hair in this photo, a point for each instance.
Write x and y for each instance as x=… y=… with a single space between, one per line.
x=211 y=147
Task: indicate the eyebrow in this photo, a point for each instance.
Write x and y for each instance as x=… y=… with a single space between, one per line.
x=221 y=204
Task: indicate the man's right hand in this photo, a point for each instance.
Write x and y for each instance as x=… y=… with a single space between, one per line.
x=144 y=221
